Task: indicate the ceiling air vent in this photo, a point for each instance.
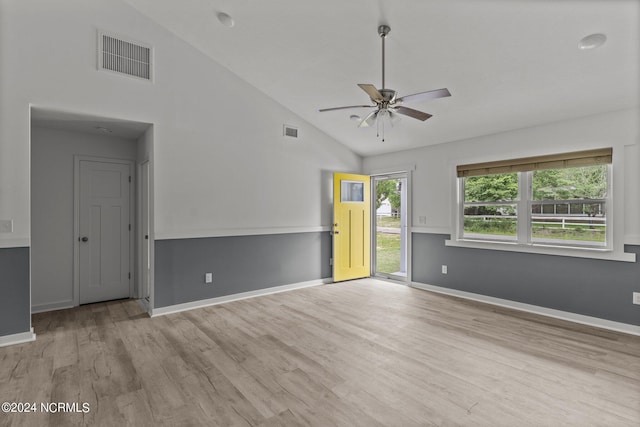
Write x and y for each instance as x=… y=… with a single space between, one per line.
x=290 y=131
x=124 y=56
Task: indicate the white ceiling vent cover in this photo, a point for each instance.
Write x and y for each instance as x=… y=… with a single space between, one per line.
x=290 y=131
x=124 y=56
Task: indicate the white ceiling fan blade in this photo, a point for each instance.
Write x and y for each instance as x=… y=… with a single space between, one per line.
x=424 y=96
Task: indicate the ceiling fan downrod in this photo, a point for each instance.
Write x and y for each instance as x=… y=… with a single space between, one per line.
x=383 y=30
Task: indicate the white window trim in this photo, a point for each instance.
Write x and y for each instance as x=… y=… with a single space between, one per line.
x=615 y=246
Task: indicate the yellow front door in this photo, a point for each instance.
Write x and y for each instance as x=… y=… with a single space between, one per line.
x=351 y=226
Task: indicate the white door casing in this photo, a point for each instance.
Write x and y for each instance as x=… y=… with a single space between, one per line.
x=145 y=234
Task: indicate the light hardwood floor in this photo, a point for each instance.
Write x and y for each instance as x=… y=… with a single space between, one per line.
x=360 y=353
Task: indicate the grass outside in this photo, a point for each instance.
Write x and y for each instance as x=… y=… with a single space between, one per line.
x=556 y=232
x=388 y=246
x=388 y=252
x=540 y=231
x=388 y=221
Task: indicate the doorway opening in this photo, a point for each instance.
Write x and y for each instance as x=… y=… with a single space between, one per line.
x=89 y=215
x=389 y=236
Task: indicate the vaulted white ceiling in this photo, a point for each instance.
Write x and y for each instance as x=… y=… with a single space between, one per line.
x=508 y=63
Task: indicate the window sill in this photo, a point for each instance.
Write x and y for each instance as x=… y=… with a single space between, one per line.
x=592 y=253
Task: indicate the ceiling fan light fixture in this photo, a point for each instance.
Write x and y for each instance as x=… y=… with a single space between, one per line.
x=592 y=41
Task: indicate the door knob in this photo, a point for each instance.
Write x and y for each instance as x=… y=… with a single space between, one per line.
x=85 y=239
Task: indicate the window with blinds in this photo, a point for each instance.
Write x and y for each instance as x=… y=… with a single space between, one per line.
x=558 y=200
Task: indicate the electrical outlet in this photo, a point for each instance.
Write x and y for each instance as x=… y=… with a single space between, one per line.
x=208 y=278
x=636 y=298
x=444 y=269
x=6 y=226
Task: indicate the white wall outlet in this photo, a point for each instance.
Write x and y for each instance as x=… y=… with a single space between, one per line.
x=636 y=298
x=444 y=269
x=6 y=226
x=422 y=219
x=208 y=278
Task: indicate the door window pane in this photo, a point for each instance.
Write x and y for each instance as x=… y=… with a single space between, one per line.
x=351 y=191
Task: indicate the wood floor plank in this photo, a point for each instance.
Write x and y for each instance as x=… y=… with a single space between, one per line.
x=364 y=352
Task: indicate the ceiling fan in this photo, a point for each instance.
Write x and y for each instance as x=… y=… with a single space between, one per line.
x=386 y=102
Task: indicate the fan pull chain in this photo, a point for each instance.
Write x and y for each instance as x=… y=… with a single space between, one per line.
x=378 y=120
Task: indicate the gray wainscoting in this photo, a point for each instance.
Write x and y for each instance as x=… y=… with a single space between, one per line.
x=238 y=263
x=590 y=287
x=15 y=311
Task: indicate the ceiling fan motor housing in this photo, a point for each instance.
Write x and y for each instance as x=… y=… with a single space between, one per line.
x=388 y=95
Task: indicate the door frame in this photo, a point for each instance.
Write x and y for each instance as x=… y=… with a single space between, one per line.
x=408 y=175
x=76 y=220
x=140 y=231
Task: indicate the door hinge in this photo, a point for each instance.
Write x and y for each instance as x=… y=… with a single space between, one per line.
x=129 y=276
x=129 y=178
x=129 y=227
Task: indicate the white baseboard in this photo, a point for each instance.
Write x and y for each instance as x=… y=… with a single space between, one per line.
x=235 y=297
x=549 y=312
x=59 y=305
x=17 y=338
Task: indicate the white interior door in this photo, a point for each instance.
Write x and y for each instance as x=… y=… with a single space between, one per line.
x=104 y=227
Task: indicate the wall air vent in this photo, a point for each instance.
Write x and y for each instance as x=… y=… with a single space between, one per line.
x=124 y=56
x=290 y=131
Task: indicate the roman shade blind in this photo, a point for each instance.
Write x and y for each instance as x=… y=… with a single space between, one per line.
x=553 y=161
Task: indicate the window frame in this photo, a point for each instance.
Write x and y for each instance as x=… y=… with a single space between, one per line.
x=614 y=249
x=523 y=203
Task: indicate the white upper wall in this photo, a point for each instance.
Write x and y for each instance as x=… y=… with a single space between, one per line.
x=434 y=179
x=220 y=160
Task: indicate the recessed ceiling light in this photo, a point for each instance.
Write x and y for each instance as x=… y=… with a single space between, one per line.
x=103 y=129
x=592 y=41
x=354 y=117
x=226 y=20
